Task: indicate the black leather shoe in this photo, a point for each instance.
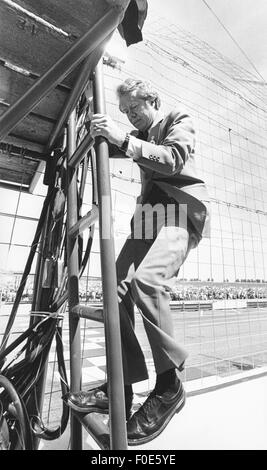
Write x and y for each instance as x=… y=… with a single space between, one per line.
x=154 y=415
x=89 y=401
x=95 y=400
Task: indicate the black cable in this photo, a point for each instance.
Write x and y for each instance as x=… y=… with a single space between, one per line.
x=15 y=415
x=27 y=268
x=38 y=427
x=24 y=377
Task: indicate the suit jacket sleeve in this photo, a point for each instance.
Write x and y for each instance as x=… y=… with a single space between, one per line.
x=116 y=152
x=176 y=142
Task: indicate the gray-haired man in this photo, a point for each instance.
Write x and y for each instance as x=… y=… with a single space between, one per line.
x=170 y=219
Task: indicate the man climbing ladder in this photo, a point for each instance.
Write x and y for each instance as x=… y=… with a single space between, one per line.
x=170 y=219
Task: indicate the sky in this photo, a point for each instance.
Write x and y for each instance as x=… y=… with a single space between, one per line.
x=245 y=19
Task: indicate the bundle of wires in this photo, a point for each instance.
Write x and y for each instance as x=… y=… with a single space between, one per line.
x=21 y=423
x=20 y=381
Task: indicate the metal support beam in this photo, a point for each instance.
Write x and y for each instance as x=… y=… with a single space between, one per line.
x=15 y=187
x=85 y=145
x=80 y=49
x=36 y=176
x=109 y=281
x=85 y=222
x=93 y=424
x=90 y=313
x=80 y=84
x=73 y=286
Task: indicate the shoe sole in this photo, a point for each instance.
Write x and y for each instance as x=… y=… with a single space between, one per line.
x=145 y=440
x=89 y=409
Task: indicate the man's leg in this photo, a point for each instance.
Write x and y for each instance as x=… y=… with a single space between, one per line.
x=149 y=286
x=134 y=366
x=130 y=257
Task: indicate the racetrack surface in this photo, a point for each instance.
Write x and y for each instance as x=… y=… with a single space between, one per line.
x=219 y=342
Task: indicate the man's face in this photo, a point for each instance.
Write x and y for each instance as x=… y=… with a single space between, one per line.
x=140 y=112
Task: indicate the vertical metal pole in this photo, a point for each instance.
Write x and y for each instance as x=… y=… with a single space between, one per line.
x=118 y=439
x=73 y=287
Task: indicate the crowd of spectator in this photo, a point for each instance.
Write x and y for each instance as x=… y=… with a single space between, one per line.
x=196 y=292
x=93 y=292
x=210 y=292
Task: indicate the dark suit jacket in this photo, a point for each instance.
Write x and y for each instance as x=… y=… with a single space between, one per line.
x=168 y=161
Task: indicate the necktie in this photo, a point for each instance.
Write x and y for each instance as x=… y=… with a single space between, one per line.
x=143 y=135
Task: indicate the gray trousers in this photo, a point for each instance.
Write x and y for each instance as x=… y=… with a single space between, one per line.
x=146 y=270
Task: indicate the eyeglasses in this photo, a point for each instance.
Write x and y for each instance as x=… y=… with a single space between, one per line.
x=132 y=108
